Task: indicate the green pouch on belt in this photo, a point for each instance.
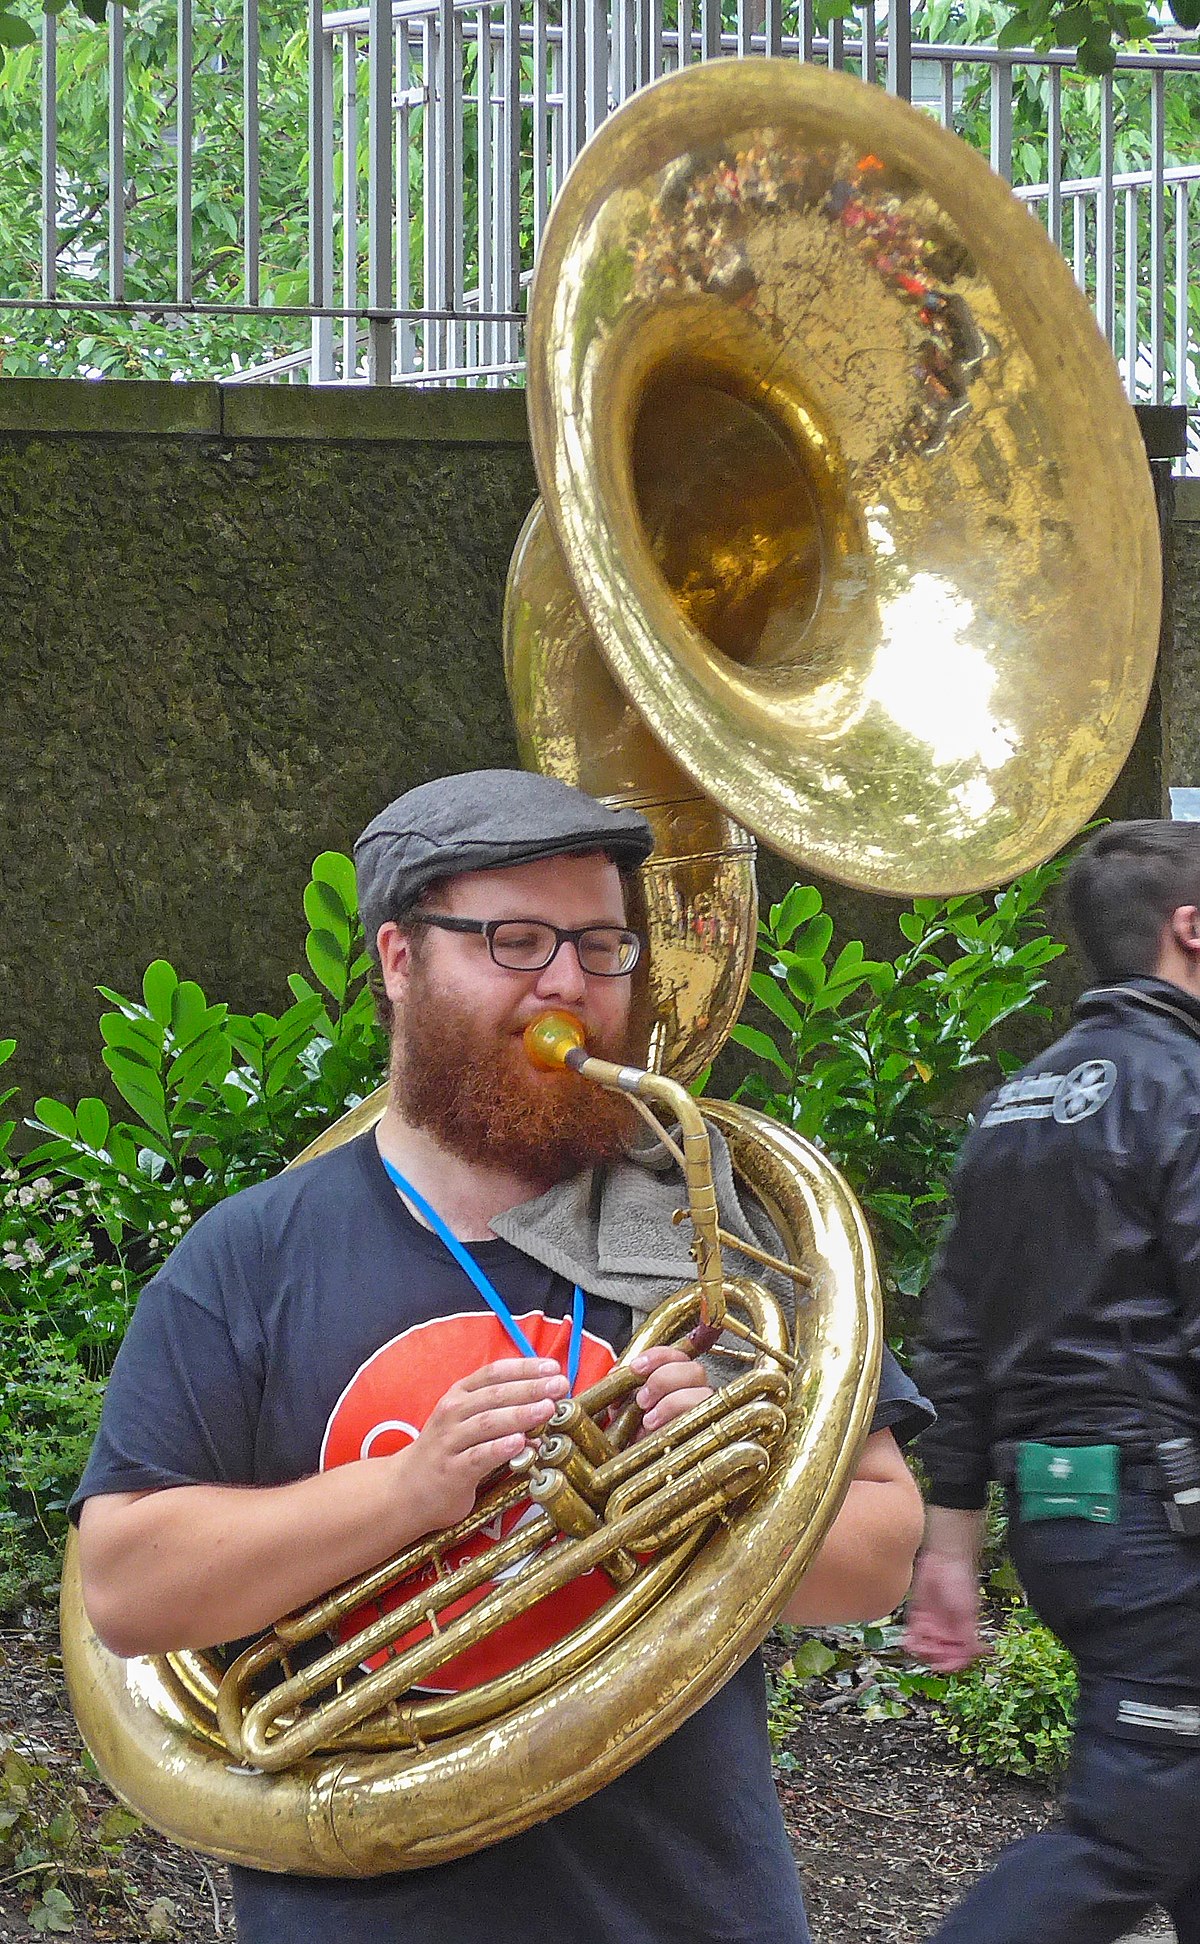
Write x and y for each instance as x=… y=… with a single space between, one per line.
x=1069 y=1482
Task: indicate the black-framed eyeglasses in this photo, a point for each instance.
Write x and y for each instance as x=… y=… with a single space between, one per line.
x=529 y=944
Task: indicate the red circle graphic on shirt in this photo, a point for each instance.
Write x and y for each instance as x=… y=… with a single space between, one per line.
x=385 y=1406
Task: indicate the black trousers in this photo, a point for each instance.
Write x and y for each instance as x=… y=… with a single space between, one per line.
x=1125 y=1599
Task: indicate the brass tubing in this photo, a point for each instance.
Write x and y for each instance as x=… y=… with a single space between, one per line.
x=375 y=1690
x=574 y=1516
x=378 y=1636
x=758 y=1420
x=323 y=1615
x=571 y=1420
x=728 y=1476
x=446 y=1714
x=562 y=1454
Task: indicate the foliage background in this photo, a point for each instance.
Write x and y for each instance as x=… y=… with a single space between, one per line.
x=160 y=345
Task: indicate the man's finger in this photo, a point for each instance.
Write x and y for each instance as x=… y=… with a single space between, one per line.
x=500 y=1397
x=490 y=1425
x=507 y=1370
x=673 y=1406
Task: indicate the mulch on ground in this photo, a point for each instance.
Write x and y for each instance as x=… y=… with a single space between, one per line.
x=888 y=1825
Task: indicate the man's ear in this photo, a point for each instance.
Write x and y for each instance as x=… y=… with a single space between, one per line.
x=395 y=958
x=1184 y=925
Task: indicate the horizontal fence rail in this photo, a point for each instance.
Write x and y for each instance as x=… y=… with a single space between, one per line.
x=357 y=196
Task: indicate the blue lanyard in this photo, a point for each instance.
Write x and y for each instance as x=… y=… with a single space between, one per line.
x=487 y=1289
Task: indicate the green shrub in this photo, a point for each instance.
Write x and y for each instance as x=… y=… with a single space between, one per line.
x=217 y=1099
x=1014 y=1710
x=869 y=1057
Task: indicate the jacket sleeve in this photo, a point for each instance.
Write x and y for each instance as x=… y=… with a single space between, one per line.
x=1179 y=1234
x=948 y=1366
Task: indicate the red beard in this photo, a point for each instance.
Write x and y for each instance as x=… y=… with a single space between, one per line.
x=479 y=1095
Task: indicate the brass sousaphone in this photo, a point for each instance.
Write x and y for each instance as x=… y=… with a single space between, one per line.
x=839 y=479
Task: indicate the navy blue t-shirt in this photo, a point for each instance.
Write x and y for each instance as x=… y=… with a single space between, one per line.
x=312 y=1320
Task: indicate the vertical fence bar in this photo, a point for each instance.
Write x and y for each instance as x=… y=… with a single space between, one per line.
x=948 y=94
x=116 y=154
x=1002 y=119
x=808 y=29
x=183 y=151
x=574 y=90
x=1158 y=241
x=773 y=26
x=1054 y=133
x=745 y=27
x=899 y=49
x=836 y=49
x=49 y=156
x=349 y=46
x=624 y=67
x=657 y=51
x=1181 y=294
x=710 y=29
x=870 y=44
x=1106 y=241
x=320 y=190
x=1079 y=239
x=408 y=336
x=489 y=336
x=433 y=186
x=508 y=176
x=380 y=136
x=1131 y=345
x=596 y=44
x=251 y=148
x=685 y=31
x=541 y=131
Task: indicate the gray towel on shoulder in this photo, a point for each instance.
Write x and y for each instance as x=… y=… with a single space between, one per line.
x=610 y=1229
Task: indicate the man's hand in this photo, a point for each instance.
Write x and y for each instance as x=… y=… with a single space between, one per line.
x=674 y=1382
x=481 y=1422
x=943 y=1607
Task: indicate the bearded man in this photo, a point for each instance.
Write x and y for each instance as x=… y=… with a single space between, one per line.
x=332 y=1362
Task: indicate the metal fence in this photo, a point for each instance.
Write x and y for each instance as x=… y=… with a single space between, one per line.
x=439 y=130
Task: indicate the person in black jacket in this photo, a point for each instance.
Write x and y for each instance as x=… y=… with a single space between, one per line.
x=1061 y=1348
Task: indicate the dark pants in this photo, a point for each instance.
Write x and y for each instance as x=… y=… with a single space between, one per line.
x=1125 y=1599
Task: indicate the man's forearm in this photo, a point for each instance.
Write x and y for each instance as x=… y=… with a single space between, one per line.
x=954 y=1533
x=863 y=1568
x=194 y=1565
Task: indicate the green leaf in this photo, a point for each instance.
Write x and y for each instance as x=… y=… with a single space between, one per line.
x=812 y=939
x=92 y=1121
x=15 y=32
x=334 y=869
x=1014 y=33
x=912 y=926
x=142 y=1037
x=188 y=1012
x=798 y=905
x=769 y=992
x=7 y=1048
x=159 y=983
x=324 y=911
x=140 y=1088
x=52 y=1114
x=205 y=1060
x=328 y=961
x=810 y=1659
x=756 y=1042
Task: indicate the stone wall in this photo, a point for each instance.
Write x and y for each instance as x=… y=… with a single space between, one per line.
x=233 y=623
x=232 y=626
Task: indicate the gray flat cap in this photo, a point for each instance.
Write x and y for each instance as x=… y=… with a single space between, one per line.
x=477 y=822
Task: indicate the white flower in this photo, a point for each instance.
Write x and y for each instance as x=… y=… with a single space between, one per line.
x=177 y=1230
x=35 y=1252
x=178 y=1207
x=10 y=1200
x=26 y=1197
x=12 y=1261
x=43 y=1186
x=117 y=1283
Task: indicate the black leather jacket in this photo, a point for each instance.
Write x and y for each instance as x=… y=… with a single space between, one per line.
x=1077 y=1209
